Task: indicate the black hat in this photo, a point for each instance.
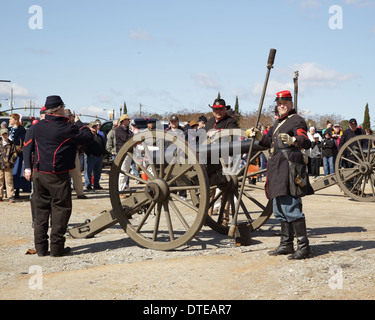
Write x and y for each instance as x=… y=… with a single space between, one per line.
x=218 y=104
x=203 y=119
x=53 y=102
x=173 y=117
x=352 y=122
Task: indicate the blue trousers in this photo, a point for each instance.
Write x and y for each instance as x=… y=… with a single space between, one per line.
x=287 y=208
x=328 y=165
x=93 y=166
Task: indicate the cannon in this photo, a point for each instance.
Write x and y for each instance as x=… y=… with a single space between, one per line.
x=152 y=211
x=155 y=215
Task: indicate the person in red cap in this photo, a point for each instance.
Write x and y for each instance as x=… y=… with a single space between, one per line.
x=285 y=140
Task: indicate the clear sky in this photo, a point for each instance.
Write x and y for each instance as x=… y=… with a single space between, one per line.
x=171 y=55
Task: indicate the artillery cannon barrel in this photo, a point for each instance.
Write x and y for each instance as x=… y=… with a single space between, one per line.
x=232 y=148
x=210 y=153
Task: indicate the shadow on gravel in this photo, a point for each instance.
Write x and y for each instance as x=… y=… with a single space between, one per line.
x=102 y=246
x=319 y=232
x=336 y=246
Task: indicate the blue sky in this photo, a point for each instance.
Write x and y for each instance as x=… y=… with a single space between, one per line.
x=173 y=55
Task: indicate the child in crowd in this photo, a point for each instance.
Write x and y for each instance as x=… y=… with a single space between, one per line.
x=328 y=150
x=316 y=156
x=8 y=156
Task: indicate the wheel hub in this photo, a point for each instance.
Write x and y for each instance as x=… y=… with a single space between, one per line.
x=157 y=190
x=231 y=184
x=365 y=168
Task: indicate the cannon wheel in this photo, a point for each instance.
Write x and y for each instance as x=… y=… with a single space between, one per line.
x=355 y=168
x=254 y=208
x=153 y=214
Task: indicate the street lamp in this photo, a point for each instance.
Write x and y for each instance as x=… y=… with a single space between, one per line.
x=11 y=106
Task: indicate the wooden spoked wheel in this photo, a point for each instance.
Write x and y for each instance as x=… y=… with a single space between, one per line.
x=153 y=211
x=254 y=209
x=355 y=168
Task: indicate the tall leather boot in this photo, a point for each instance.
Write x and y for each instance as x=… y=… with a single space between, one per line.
x=303 y=247
x=286 y=240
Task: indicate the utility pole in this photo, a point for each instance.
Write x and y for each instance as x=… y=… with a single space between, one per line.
x=140 y=110
x=12 y=93
x=295 y=79
x=11 y=101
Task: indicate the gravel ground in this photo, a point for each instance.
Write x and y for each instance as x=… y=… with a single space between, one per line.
x=211 y=267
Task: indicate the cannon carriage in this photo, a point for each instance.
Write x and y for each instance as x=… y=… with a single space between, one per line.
x=154 y=212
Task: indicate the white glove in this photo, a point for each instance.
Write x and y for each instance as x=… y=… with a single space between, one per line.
x=287 y=139
x=254 y=133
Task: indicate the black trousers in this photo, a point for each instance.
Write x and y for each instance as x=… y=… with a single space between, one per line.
x=315 y=166
x=52 y=200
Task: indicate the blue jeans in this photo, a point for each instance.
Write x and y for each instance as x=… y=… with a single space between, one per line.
x=287 y=208
x=329 y=166
x=93 y=166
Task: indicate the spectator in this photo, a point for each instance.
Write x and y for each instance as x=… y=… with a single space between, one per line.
x=310 y=135
x=328 y=151
x=202 y=121
x=54 y=142
x=349 y=133
x=111 y=140
x=328 y=127
x=8 y=156
x=369 y=132
x=76 y=174
x=176 y=130
x=134 y=128
x=150 y=125
x=4 y=125
x=193 y=139
x=336 y=136
x=99 y=125
x=123 y=134
x=316 y=156
x=17 y=135
x=94 y=160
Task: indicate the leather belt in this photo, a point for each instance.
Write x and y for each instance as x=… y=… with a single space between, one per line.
x=275 y=150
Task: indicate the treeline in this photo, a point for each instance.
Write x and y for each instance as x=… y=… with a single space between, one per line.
x=247 y=120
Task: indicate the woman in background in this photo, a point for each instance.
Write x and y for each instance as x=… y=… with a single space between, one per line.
x=17 y=134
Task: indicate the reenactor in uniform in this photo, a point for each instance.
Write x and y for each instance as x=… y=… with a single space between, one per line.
x=289 y=134
x=220 y=120
x=53 y=142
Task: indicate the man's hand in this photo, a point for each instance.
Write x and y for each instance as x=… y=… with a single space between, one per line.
x=27 y=173
x=287 y=139
x=76 y=118
x=254 y=133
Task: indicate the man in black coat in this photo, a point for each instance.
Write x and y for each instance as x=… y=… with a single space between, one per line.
x=94 y=158
x=53 y=143
x=220 y=120
x=289 y=134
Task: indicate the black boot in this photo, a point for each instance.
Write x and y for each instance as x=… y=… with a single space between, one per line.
x=286 y=240
x=303 y=249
